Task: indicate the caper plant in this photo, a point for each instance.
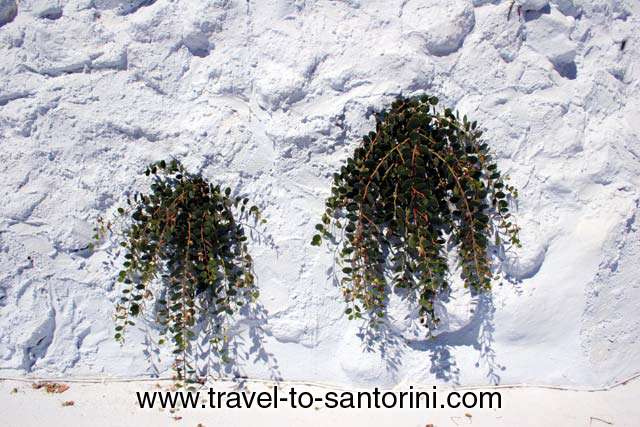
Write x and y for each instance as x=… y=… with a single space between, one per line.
x=187 y=237
x=422 y=182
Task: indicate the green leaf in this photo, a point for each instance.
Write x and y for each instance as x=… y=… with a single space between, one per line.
x=134 y=309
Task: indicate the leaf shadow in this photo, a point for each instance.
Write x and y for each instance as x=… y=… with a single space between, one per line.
x=477 y=334
x=245 y=346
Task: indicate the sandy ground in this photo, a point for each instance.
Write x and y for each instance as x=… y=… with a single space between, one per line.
x=115 y=404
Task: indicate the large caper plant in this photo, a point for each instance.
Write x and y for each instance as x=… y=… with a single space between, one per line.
x=424 y=180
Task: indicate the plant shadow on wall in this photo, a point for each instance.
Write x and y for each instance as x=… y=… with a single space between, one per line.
x=187 y=268
x=478 y=334
x=420 y=201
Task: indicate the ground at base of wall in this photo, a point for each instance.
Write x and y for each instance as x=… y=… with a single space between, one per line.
x=116 y=404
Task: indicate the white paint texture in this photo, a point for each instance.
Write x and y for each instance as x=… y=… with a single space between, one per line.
x=271 y=97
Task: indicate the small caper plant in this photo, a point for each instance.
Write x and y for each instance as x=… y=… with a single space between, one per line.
x=188 y=236
x=424 y=180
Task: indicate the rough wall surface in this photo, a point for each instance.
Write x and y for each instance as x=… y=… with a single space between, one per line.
x=271 y=96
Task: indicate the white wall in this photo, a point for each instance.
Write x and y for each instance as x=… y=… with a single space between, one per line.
x=271 y=96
